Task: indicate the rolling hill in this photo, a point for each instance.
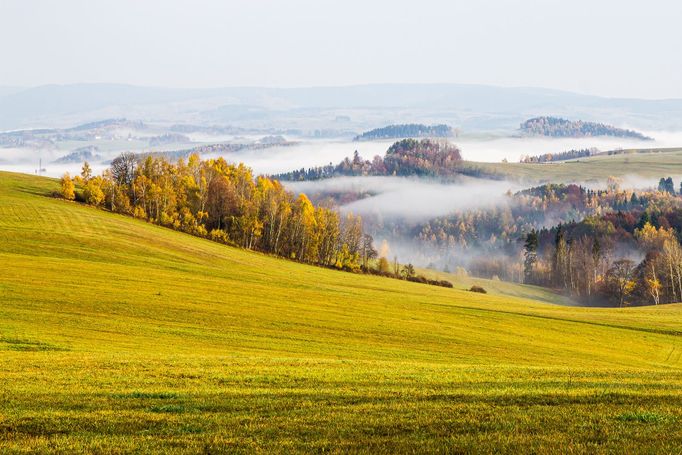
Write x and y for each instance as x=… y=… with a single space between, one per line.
x=118 y=336
x=637 y=164
x=559 y=127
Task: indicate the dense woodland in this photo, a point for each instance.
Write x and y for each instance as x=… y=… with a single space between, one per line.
x=409 y=157
x=487 y=242
x=623 y=258
x=559 y=127
x=404 y=131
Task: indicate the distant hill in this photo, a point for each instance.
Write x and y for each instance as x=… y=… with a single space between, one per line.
x=109 y=124
x=472 y=107
x=409 y=157
x=87 y=153
x=168 y=138
x=406 y=131
x=116 y=128
x=559 y=127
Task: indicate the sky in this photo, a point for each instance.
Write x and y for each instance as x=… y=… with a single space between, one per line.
x=609 y=48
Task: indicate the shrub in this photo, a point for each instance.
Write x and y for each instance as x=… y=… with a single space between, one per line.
x=218 y=235
x=383 y=266
x=478 y=289
x=139 y=212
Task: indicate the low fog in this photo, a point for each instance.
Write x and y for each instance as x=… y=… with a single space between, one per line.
x=410 y=199
x=512 y=148
x=278 y=159
x=307 y=153
x=380 y=200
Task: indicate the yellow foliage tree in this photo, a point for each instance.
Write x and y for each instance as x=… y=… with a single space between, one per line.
x=653 y=239
x=68 y=188
x=93 y=192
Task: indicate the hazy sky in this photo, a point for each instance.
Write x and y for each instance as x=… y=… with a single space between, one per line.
x=604 y=47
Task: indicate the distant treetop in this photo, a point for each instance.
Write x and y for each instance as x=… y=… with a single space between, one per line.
x=406 y=131
x=559 y=127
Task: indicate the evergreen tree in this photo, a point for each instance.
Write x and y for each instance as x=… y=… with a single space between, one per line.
x=531 y=256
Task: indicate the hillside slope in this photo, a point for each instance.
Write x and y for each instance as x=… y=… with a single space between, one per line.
x=118 y=335
x=633 y=164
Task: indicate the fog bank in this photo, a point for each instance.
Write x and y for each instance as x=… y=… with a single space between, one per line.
x=410 y=199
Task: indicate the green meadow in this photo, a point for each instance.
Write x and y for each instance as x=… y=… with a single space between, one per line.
x=120 y=336
x=646 y=163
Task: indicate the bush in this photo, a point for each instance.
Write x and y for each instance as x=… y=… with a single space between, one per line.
x=478 y=289
x=383 y=266
x=422 y=279
x=218 y=235
x=139 y=213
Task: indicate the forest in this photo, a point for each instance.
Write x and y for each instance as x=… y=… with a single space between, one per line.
x=623 y=257
x=408 y=157
x=408 y=130
x=223 y=202
x=559 y=127
x=612 y=246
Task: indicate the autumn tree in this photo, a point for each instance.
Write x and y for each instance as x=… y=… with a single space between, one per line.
x=408 y=272
x=619 y=280
x=225 y=203
x=67 y=187
x=368 y=250
x=86 y=171
x=93 y=193
x=383 y=266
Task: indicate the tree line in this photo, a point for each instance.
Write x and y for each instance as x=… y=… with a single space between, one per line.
x=561 y=156
x=225 y=203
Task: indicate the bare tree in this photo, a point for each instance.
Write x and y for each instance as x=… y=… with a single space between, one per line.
x=123 y=168
x=620 y=279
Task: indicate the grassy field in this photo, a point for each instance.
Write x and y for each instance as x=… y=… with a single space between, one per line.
x=645 y=163
x=500 y=288
x=119 y=336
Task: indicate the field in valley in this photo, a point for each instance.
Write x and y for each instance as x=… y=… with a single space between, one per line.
x=643 y=163
x=120 y=336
